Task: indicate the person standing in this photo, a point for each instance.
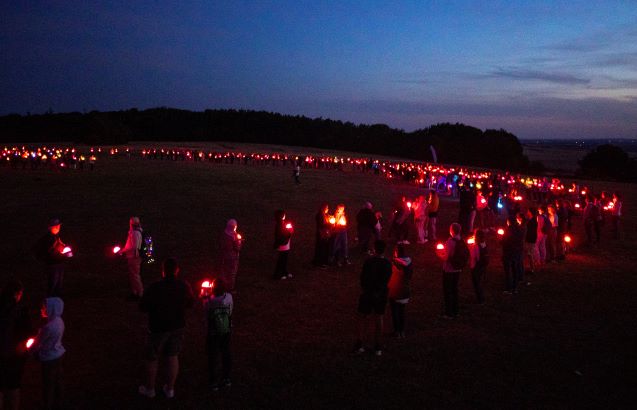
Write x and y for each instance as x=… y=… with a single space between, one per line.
x=165 y=302
x=513 y=253
x=478 y=264
x=218 y=308
x=229 y=247
x=132 y=252
x=399 y=289
x=340 y=247
x=373 y=299
x=616 y=214
x=433 y=202
x=49 y=351
x=365 y=222
x=455 y=256
x=53 y=253
x=420 y=218
x=322 y=238
x=530 y=240
x=15 y=329
x=283 y=231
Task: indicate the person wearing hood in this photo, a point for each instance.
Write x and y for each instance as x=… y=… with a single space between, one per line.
x=15 y=329
x=133 y=257
x=229 y=246
x=399 y=290
x=49 y=351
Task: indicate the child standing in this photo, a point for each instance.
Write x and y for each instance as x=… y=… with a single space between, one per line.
x=218 y=308
x=49 y=350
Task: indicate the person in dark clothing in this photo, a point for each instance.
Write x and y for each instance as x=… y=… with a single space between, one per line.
x=165 y=302
x=15 y=329
x=562 y=228
x=283 y=231
x=365 y=223
x=513 y=252
x=373 y=299
x=466 y=207
x=322 y=244
x=399 y=289
x=53 y=253
x=479 y=262
x=530 y=239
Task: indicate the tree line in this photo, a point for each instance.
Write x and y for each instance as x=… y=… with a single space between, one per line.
x=454 y=143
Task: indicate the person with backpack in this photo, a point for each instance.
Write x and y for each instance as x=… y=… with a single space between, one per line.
x=399 y=290
x=455 y=257
x=478 y=263
x=133 y=253
x=165 y=302
x=53 y=253
x=218 y=308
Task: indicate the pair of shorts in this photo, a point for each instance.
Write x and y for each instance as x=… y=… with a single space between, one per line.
x=369 y=303
x=164 y=344
x=11 y=370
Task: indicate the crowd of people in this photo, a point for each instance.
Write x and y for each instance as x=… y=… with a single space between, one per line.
x=531 y=220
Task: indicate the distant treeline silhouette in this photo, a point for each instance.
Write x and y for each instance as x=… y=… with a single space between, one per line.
x=454 y=143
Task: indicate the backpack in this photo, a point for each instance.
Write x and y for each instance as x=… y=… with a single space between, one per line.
x=460 y=255
x=147 y=250
x=218 y=321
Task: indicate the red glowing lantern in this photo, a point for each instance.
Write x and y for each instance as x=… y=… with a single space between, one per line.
x=440 y=247
x=67 y=250
x=500 y=231
x=409 y=205
x=207 y=284
x=471 y=241
x=567 y=238
x=288 y=226
x=116 y=249
x=577 y=206
x=332 y=220
x=29 y=343
x=239 y=237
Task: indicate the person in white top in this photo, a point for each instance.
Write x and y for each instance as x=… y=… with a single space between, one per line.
x=133 y=257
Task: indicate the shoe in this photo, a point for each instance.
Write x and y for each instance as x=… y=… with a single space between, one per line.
x=406 y=242
x=347 y=262
x=226 y=383
x=358 y=350
x=507 y=292
x=215 y=387
x=169 y=393
x=144 y=391
x=528 y=283
x=378 y=352
x=283 y=277
x=290 y=276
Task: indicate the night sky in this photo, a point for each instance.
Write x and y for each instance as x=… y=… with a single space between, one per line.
x=540 y=69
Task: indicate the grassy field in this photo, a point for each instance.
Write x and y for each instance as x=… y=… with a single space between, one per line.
x=567 y=341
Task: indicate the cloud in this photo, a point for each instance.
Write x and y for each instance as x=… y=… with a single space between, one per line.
x=536 y=75
x=402 y=81
x=627 y=59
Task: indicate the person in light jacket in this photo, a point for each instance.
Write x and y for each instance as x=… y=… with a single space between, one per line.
x=49 y=351
x=133 y=257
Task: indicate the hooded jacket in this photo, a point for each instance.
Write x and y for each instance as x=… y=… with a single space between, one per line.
x=48 y=343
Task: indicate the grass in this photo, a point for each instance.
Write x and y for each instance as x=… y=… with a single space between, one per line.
x=567 y=341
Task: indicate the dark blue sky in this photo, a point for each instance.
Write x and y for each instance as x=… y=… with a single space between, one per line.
x=540 y=69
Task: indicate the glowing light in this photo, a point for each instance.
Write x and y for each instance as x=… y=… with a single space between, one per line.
x=577 y=206
x=500 y=231
x=583 y=192
x=66 y=250
x=500 y=206
x=288 y=226
x=471 y=241
x=207 y=284
x=567 y=238
x=409 y=205
x=116 y=249
x=29 y=343
x=517 y=198
x=440 y=247
x=483 y=201
x=239 y=237
x=342 y=221
x=332 y=220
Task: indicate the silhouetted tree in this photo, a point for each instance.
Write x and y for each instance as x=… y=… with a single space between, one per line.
x=608 y=161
